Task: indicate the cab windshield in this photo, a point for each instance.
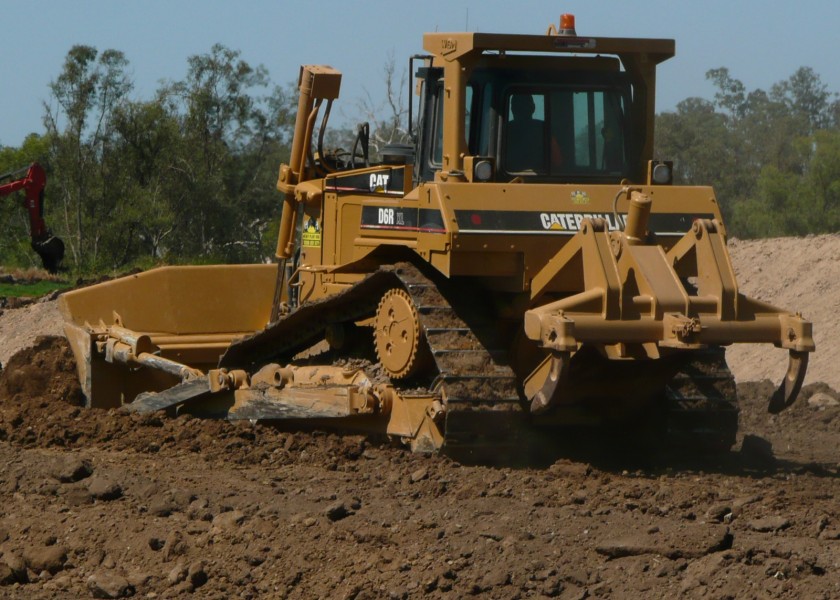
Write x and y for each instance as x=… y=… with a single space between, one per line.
x=546 y=122
x=556 y=131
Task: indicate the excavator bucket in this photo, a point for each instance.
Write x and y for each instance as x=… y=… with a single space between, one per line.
x=51 y=251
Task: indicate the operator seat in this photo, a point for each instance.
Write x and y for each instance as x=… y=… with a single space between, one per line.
x=525 y=137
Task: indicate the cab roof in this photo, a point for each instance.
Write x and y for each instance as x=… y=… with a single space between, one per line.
x=452 y=46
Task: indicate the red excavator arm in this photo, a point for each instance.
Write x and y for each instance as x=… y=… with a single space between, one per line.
x=32 y=180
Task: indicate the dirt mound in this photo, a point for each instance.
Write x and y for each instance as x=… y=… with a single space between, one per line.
x=799 y=274
x=20 y=327
x=23 y=319
x=45 y=371
x=40 y=405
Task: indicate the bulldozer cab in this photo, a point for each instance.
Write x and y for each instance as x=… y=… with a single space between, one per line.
x=553 y=108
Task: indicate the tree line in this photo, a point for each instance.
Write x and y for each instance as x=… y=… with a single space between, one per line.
x=189 y=175
x=773 y=155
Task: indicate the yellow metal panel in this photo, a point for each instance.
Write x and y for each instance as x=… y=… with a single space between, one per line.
x=179 y=300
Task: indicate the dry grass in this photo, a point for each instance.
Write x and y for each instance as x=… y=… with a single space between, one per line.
x=29 y=275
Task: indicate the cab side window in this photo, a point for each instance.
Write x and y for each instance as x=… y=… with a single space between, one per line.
x=437 y=143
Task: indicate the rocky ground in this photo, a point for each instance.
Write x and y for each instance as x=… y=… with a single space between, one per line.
x=104 y=504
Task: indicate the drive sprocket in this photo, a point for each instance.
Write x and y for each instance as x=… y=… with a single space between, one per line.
x=398 y=337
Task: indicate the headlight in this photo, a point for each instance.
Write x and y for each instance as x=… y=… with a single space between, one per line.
x=483 y=170
x=479 y=168
x=661 y=172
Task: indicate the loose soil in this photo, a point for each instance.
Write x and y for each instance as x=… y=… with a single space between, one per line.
x=105 y=504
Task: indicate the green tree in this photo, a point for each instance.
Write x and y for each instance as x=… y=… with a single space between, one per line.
x=821 y=185
x=731 y=94
x=79 y=126
x=766 y=212
x=806 y=97
x=769 y=154
x=187 y=176
x=147 y=150
x=229 y=137
x=703 y=147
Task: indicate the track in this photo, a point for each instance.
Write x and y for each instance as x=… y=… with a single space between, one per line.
x=485 y=421
x=701 y=404
x=484 y=418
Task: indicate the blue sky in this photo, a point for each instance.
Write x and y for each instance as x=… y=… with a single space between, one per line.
x=761 y=42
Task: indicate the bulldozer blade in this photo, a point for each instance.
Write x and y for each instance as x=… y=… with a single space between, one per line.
x=791 y=384
x=261 y=403
x=274 y=405
x=51 y=251
x=191 y=390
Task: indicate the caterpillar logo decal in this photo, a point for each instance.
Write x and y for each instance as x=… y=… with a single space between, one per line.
x=572 y=221
x=387 y=181
x=564 y=223
x=379 y=182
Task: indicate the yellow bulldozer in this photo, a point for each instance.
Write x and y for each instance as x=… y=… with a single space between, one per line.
x=522 y=266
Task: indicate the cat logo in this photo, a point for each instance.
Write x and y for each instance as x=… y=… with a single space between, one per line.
x=379 y=182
